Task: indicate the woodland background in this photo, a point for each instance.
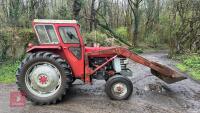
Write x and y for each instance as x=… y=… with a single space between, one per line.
x=140 y=25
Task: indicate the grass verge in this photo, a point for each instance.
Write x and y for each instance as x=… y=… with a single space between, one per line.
x=190 y=64
x=7 y=72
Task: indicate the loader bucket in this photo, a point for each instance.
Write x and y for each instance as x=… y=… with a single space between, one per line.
x=166 y=74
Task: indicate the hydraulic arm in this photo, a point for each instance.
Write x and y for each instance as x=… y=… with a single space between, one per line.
x=163 y=72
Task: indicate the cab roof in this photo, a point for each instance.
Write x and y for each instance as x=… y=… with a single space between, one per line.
x=54 y=21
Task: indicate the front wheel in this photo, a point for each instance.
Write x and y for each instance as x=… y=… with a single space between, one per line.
x=119 y=87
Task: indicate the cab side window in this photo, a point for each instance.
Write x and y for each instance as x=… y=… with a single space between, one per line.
x=46 y=34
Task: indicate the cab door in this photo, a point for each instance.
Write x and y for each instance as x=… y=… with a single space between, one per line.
x=73 y=46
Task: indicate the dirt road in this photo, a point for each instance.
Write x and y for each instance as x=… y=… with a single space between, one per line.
x=150 y=95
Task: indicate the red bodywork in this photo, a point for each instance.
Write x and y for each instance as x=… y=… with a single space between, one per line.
x=80 y=67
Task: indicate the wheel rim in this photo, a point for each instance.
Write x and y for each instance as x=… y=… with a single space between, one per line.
x=119 y=89
x=43 y=79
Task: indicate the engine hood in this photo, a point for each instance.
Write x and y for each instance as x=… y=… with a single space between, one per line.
x=95 y=49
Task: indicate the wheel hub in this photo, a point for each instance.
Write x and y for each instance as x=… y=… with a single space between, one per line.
x=43 y=79
x=119 y=89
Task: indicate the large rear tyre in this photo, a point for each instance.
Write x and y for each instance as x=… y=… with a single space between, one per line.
x=119 y=87
x=43 y=77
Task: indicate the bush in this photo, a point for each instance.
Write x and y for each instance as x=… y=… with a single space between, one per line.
x=4 y=44
x=153 y=40
x=97 y=37
x=14 y=41
x=190 y=64
x=122 y=31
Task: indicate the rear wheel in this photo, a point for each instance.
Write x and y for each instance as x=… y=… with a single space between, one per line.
x=43 y=77
x=119 y=87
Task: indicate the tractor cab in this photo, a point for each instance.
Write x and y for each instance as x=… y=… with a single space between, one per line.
x=61 y=37
x=57 y=31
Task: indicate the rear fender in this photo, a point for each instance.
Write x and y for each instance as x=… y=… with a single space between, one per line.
x=54 y=49
x=41 y=48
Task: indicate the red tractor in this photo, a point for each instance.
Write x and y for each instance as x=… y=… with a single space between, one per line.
x=62 y=57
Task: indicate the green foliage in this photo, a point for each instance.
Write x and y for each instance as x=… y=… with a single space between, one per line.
x=14 y=12
x=97 y=37
x=124 y=36
x=24 y=21
x=122 y=31
x=7 y=72
x=27 y=35
x=63 y=13
x=182 y=67
x=190 y=64
x=5 y=41
x=14 y=41
x=153 y=40
x=136 y=50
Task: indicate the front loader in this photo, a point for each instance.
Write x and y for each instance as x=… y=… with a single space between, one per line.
x=61 y=57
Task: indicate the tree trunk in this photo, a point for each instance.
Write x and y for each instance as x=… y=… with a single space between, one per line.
x=92 y=15
x=136 y=26
x=76 y=9
x=129 y=25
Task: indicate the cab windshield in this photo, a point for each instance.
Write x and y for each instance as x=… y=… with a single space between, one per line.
x=69 y=35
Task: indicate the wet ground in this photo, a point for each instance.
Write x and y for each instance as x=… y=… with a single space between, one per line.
x=150 y=95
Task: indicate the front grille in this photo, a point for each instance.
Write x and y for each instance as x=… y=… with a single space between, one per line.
x=123 y=62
